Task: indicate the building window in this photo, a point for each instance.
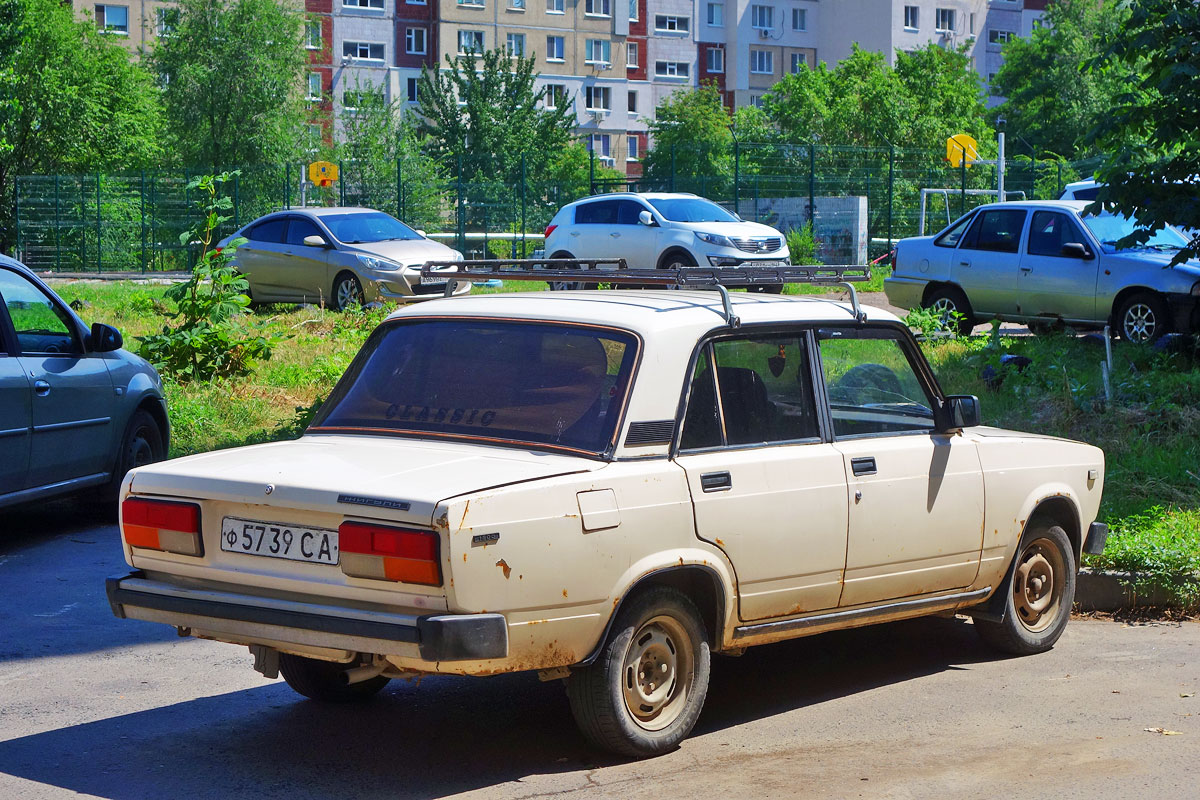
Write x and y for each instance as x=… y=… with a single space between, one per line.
x=633 y=10
x=473 y=3
x=598 y=8
x=113 y=19
x=799 y=19
x=666 y=23
x=415 y=41
x=1000 y=37
x=312 y=33
x=912 y=18
x=715 y=59
x=166 y=20
x=943 y=20
x=411 y=93
x=600 y=144
x=799 y=62
x=971 y=20
x=373 y=5
x=554 y=7
x=762 y=17
x=314 y=86
x=597 y=51
x=598 y=98
x=365 y=51
x=756 y=100
x=554 y=48
x=470 y=42
x=716 y=14
x=514 y=43
x=631 y=55
x=556 y=95
x=353 y=100
x=518 y=5
x=762 y=62
x=671 y=69
x=633 y=103
x=631 y=148
x=315 y=134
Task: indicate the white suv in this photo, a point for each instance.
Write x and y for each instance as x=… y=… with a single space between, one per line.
x=662 y=230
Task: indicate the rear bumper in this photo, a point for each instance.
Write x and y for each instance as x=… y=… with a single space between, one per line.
x=904 y=292
x=1097 y=535
x=437 y=637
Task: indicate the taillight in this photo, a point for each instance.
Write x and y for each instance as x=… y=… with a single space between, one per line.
x=549 y=230
x=393 y=554
x=162 y=525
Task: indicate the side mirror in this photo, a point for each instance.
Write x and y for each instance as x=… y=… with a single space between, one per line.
x=959 y=411
x=104 y=338
x=315 y=240
x=1076 y=250
x=422 y=233
x=646 y=218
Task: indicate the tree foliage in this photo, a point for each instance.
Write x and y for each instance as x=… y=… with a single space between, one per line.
x=1053 y=99
x=1152 y=135
x=231 y=74
x=691 y=133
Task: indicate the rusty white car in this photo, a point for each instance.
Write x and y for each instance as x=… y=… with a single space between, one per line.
x=607 y=488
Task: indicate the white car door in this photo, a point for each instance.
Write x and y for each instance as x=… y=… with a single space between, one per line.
x=987 y=262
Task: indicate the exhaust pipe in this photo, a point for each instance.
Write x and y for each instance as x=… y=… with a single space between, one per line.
x=359 y=674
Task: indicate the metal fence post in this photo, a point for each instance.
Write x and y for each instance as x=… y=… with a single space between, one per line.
x=341 y=187
x=287 y=183
x=591 y=171
x=17 y=215
x=737 y=169
x=1060 y=183
x=57 y=226
x=672 y=167
x=142 y=198
x=99 y=243
x=399 y=194
x=962 y=194
x=812 y=186
x=462 y=219
x=524 y=188
x=236 y=201
x=891 y=189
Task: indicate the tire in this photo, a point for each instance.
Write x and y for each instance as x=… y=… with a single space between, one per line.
x=321 y=680
x=346 y=291
x=677 y=259
x=1143 y=318
x=141 y=444
x=617 y=704
x=945 y=300
x=564 y=286
x=1041 y=327
x=1042 y=591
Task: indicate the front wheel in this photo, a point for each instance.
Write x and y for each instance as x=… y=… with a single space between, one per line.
x=1039 y=603
x=644 y=692
x=322 y=680
x=347 y=291
x=564 y=286
x=141 y=444
x=1142 y=318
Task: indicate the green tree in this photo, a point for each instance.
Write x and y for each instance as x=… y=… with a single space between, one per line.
x=1053 y=99
x=692 y=137
x=71 y=99
x=1152 y=135
x=231 y=73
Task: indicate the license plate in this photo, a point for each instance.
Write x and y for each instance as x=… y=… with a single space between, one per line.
x=762 y=264
x=275 y=540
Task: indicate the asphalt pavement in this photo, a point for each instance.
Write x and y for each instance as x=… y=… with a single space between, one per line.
x=100 y=707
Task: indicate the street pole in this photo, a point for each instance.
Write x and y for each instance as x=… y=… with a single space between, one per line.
x=1000 y=167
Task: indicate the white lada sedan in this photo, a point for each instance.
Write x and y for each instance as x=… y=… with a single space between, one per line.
x=607 y=487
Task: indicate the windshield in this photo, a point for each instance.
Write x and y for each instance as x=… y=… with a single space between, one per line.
x=1111 y=228
x=373 y=227
x=691 y=209
x=532 y=383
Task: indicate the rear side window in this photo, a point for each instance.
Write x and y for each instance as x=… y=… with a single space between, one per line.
x=955 y=233
x=269 y=231
x=996 y=230
x=601 y=213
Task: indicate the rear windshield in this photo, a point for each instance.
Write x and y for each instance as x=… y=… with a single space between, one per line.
x=528 y=383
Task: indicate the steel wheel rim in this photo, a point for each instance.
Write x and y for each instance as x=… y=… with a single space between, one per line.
x=141 y=449
x=657 y=674
x=1038 y=585
x=1139 y=323
x=348 y=292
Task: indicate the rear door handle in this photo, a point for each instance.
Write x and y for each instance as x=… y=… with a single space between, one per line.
x=964 y=263
x=863 y=466
x=716 y=482
x=41 y=388
x=615 y=235
x=1026 y=270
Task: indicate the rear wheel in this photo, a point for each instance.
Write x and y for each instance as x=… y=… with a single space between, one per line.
x=322 y=680
x=1142 y=318
x=644 y=692
x=947 y=302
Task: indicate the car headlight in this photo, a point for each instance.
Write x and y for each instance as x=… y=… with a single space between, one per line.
x=714 y=239
x=375 y=262
x=457 y=256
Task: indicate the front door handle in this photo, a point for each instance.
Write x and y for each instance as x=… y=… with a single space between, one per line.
x=615 y=235
x=716 y=482
x=1026 y=270
x=964 y=263
x=41 y=388
x=863 y=466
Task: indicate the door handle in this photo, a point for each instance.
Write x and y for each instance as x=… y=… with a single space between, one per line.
x=615 y=235
x=964 y=263
x=574 y=233
x=41 y=388
x=1026 y=270
x=863 y=466
x=716 y=482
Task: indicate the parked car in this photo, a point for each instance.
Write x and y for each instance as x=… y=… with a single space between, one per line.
x=76 y=411
x=1089 y=190
x=1047 y=262
x=337 y=256
x=607 y=487
x=665 y=230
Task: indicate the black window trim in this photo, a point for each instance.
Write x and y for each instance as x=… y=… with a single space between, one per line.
x=937 y=242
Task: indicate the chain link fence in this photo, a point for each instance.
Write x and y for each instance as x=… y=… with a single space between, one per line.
x=858 y=200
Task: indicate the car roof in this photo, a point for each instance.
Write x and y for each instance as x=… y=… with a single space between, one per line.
x=645 y=311
x=641 y=195
x=316 y=211
x=1072 y=205
x=12 y=262
x=1084 y=184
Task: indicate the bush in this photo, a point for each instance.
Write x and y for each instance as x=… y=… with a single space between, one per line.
x=803 y=245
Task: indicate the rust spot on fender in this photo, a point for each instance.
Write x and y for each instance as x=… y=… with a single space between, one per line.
x=564 y=592
x=504 y=567
x=464 y=558
x=719 y=542
x=461 y=522
x=545 y=657
x=443 y=521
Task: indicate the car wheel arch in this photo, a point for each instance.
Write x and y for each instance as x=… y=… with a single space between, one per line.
x=1061 y=511
x=1123 y=295
x=672 y=252
x=934 y=286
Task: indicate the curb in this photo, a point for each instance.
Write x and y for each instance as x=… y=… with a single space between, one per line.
x=1096 y=590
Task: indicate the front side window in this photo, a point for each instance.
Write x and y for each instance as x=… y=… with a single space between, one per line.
x=996 y=230
x=534 y=384
x=871 y=383
x=41 y=325
x=1049 y=231
x=691 y=209
x=299 y=227
x=764 y=386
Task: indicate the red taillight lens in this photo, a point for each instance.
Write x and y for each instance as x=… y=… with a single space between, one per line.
x=549 y=230
x=162 y=525
x=394 y=554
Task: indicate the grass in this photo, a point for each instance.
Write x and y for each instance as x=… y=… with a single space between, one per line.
x=1150 y=433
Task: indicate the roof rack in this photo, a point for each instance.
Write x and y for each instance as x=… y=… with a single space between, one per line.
x=614 y=271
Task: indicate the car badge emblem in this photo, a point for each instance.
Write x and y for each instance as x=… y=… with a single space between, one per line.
x=270 y=488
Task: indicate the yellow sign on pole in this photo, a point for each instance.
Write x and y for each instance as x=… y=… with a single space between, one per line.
x=322 y=173
x=961 y=146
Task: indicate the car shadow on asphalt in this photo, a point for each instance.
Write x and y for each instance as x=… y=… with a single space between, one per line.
x=442 y=735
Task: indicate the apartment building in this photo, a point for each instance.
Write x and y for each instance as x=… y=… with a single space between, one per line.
x=136 y=24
